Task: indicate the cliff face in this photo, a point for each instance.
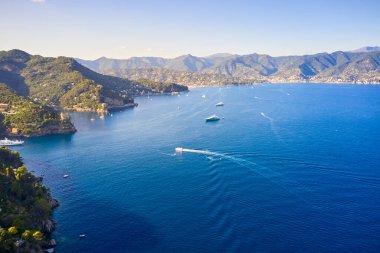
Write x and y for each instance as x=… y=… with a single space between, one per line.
x=61 y=127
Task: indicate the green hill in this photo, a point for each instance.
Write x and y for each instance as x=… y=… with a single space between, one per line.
x=64 y=82
x=25 y=207
x=28 y=117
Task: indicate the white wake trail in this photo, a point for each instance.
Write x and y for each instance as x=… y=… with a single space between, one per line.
x=266 y=116
x=256 y=168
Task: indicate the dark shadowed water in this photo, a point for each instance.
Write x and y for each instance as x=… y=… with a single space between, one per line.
x=295 y=168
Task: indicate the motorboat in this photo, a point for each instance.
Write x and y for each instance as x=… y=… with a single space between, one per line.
x=220 y=104
x=7 y=142
x=212 y=118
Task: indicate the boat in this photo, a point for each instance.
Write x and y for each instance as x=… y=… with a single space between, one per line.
x=220 y=104
x=203 y=96
x=65 y=176
x=178 y=150
x=82 y=236
x=7 y=142
x=212 y=118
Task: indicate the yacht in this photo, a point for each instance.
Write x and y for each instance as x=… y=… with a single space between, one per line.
x=220 y=104
x=212 y=118
x=6 y=142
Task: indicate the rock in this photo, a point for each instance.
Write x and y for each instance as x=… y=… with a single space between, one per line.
x=54 y=203
x=49 y=226
x=52 y=243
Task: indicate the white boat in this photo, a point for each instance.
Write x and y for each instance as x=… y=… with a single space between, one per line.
x=178 y=150
x=82 y=236
x=220 y=104
x=65 y=176
x=212 y=118
x=203 y=96
x=7 y=142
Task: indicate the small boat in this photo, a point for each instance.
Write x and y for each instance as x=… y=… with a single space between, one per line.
x=203 y=96
x=7 y=142
x=92 y=119
x=65 y=176
x=212 y=118
x=220 y=104
x=82 y=236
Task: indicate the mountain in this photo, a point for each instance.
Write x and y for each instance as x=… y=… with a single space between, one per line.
x=366 y=50
x=358 y=66
x=64 y=82
x=33 y=89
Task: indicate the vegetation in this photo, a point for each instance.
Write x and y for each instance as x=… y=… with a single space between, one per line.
x=25 y=206
x=64 y=82
x=362 y=66
x=30 y=117
x=163 y=87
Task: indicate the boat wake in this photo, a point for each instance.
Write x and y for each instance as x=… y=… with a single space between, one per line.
x=258 y=169
x=267 y=117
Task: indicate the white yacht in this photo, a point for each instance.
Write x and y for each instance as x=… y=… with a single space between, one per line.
x=212 y=118
x=6 y=142
x=220 y=104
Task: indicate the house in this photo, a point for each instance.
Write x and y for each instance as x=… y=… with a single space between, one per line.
x=4 y=107
x=64 y=116
x=13 y=130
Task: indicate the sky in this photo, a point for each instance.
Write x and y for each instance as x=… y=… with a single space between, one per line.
x=90 y=29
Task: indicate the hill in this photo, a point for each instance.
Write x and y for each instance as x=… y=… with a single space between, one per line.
x=25 y=117
x=64 y=82
x=358 y=66
x=25 y=207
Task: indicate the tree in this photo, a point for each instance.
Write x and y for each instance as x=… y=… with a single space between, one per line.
x=2 y=125
x=27 y=235
x=38 y=236
x=12 y=230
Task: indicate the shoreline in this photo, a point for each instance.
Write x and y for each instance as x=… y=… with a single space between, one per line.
x=279 y=83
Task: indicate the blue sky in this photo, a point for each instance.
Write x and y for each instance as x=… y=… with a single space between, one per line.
x=121 y=29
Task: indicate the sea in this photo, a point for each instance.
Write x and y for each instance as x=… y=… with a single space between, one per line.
x=287 y=168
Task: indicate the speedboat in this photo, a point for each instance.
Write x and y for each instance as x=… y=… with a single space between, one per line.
x=212 y=118
x=7 y=142
x=82 y=236
x=220 y=104
x=65 y=176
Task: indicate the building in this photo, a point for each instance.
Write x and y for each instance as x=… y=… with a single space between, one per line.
x=4 y=107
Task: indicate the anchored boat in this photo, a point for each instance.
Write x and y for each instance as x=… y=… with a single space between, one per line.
x=220 y=104
x=7 y=142
x=212 y=118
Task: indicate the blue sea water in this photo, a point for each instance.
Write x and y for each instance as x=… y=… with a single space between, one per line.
x=295 y=168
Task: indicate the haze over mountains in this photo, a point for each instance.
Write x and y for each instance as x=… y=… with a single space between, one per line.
x=357 y=66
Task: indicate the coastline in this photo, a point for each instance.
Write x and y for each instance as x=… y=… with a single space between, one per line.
x=275 y=83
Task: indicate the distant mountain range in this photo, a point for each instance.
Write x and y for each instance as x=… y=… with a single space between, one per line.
x=357 y=66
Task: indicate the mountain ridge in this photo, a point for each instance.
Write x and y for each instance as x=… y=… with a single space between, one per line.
x=336 y=67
